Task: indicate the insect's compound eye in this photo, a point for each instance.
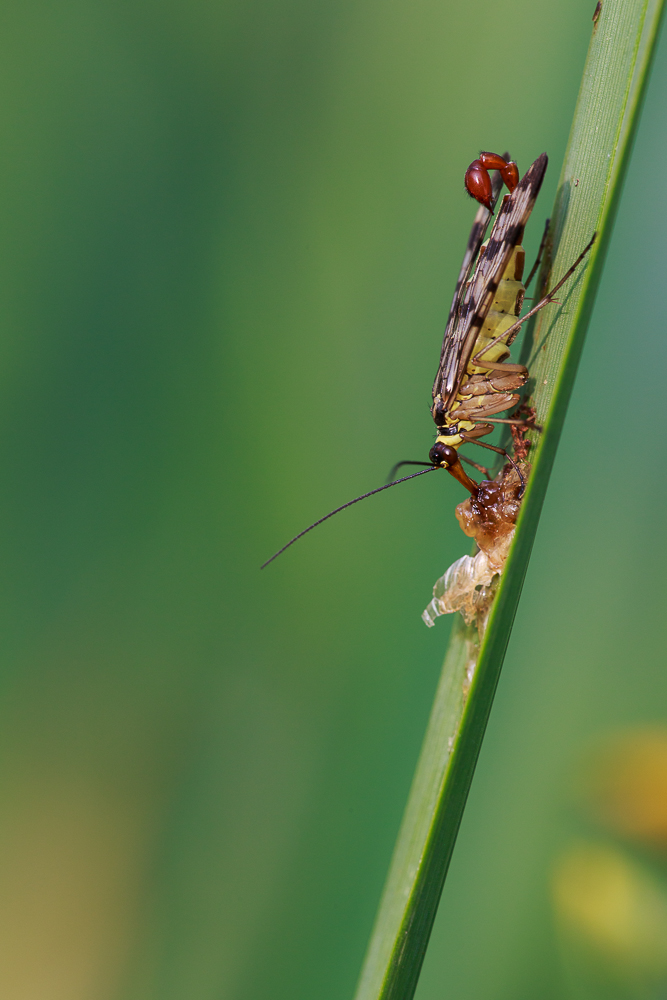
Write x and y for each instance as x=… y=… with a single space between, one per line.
x=442 y=454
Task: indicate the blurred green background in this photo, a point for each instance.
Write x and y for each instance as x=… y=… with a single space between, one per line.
x=230 y=232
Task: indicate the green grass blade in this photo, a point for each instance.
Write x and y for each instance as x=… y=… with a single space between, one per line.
x=606 y=116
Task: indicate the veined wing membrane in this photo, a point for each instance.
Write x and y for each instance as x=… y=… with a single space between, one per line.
x=507 y=233
x=475 y=240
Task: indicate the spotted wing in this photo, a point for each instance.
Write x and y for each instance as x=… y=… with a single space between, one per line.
x=475 y=240
x=480 y=292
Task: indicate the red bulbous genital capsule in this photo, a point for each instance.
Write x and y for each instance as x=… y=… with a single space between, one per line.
x=478 y=184
x=492 y=161
x=510 y=175
x=508 y=170
x=478 y=181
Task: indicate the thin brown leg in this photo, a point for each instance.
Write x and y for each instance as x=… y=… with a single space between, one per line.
x=539 y=254
x=507 y=334
x=501 y=366
x=480 y=468
x=500 y=420
x=517 y=423
x=499 y=451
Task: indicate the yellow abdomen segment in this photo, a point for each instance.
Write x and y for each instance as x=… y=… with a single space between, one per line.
x=488 y=391
x=504 y=310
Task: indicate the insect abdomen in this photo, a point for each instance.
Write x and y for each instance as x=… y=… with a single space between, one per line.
x=486 y=392
x=478 y=385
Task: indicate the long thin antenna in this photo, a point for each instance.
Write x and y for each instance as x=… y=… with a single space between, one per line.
x=348 y=504
x=399 y=464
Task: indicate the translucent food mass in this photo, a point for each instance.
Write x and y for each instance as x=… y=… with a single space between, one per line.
x=490 y=518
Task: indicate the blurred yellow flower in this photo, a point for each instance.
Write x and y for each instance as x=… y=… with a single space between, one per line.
x=628 y=786
x=614 y=909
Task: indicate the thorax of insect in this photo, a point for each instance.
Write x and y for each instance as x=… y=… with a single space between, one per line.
x=486 y=390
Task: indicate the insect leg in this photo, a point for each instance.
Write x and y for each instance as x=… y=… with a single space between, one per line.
x=508 y=334
x=500 y=451
x=517 y=423
x=501 y=365
x=480 y=468
x=529 y=423
x=500 y=420
x=539 y=254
